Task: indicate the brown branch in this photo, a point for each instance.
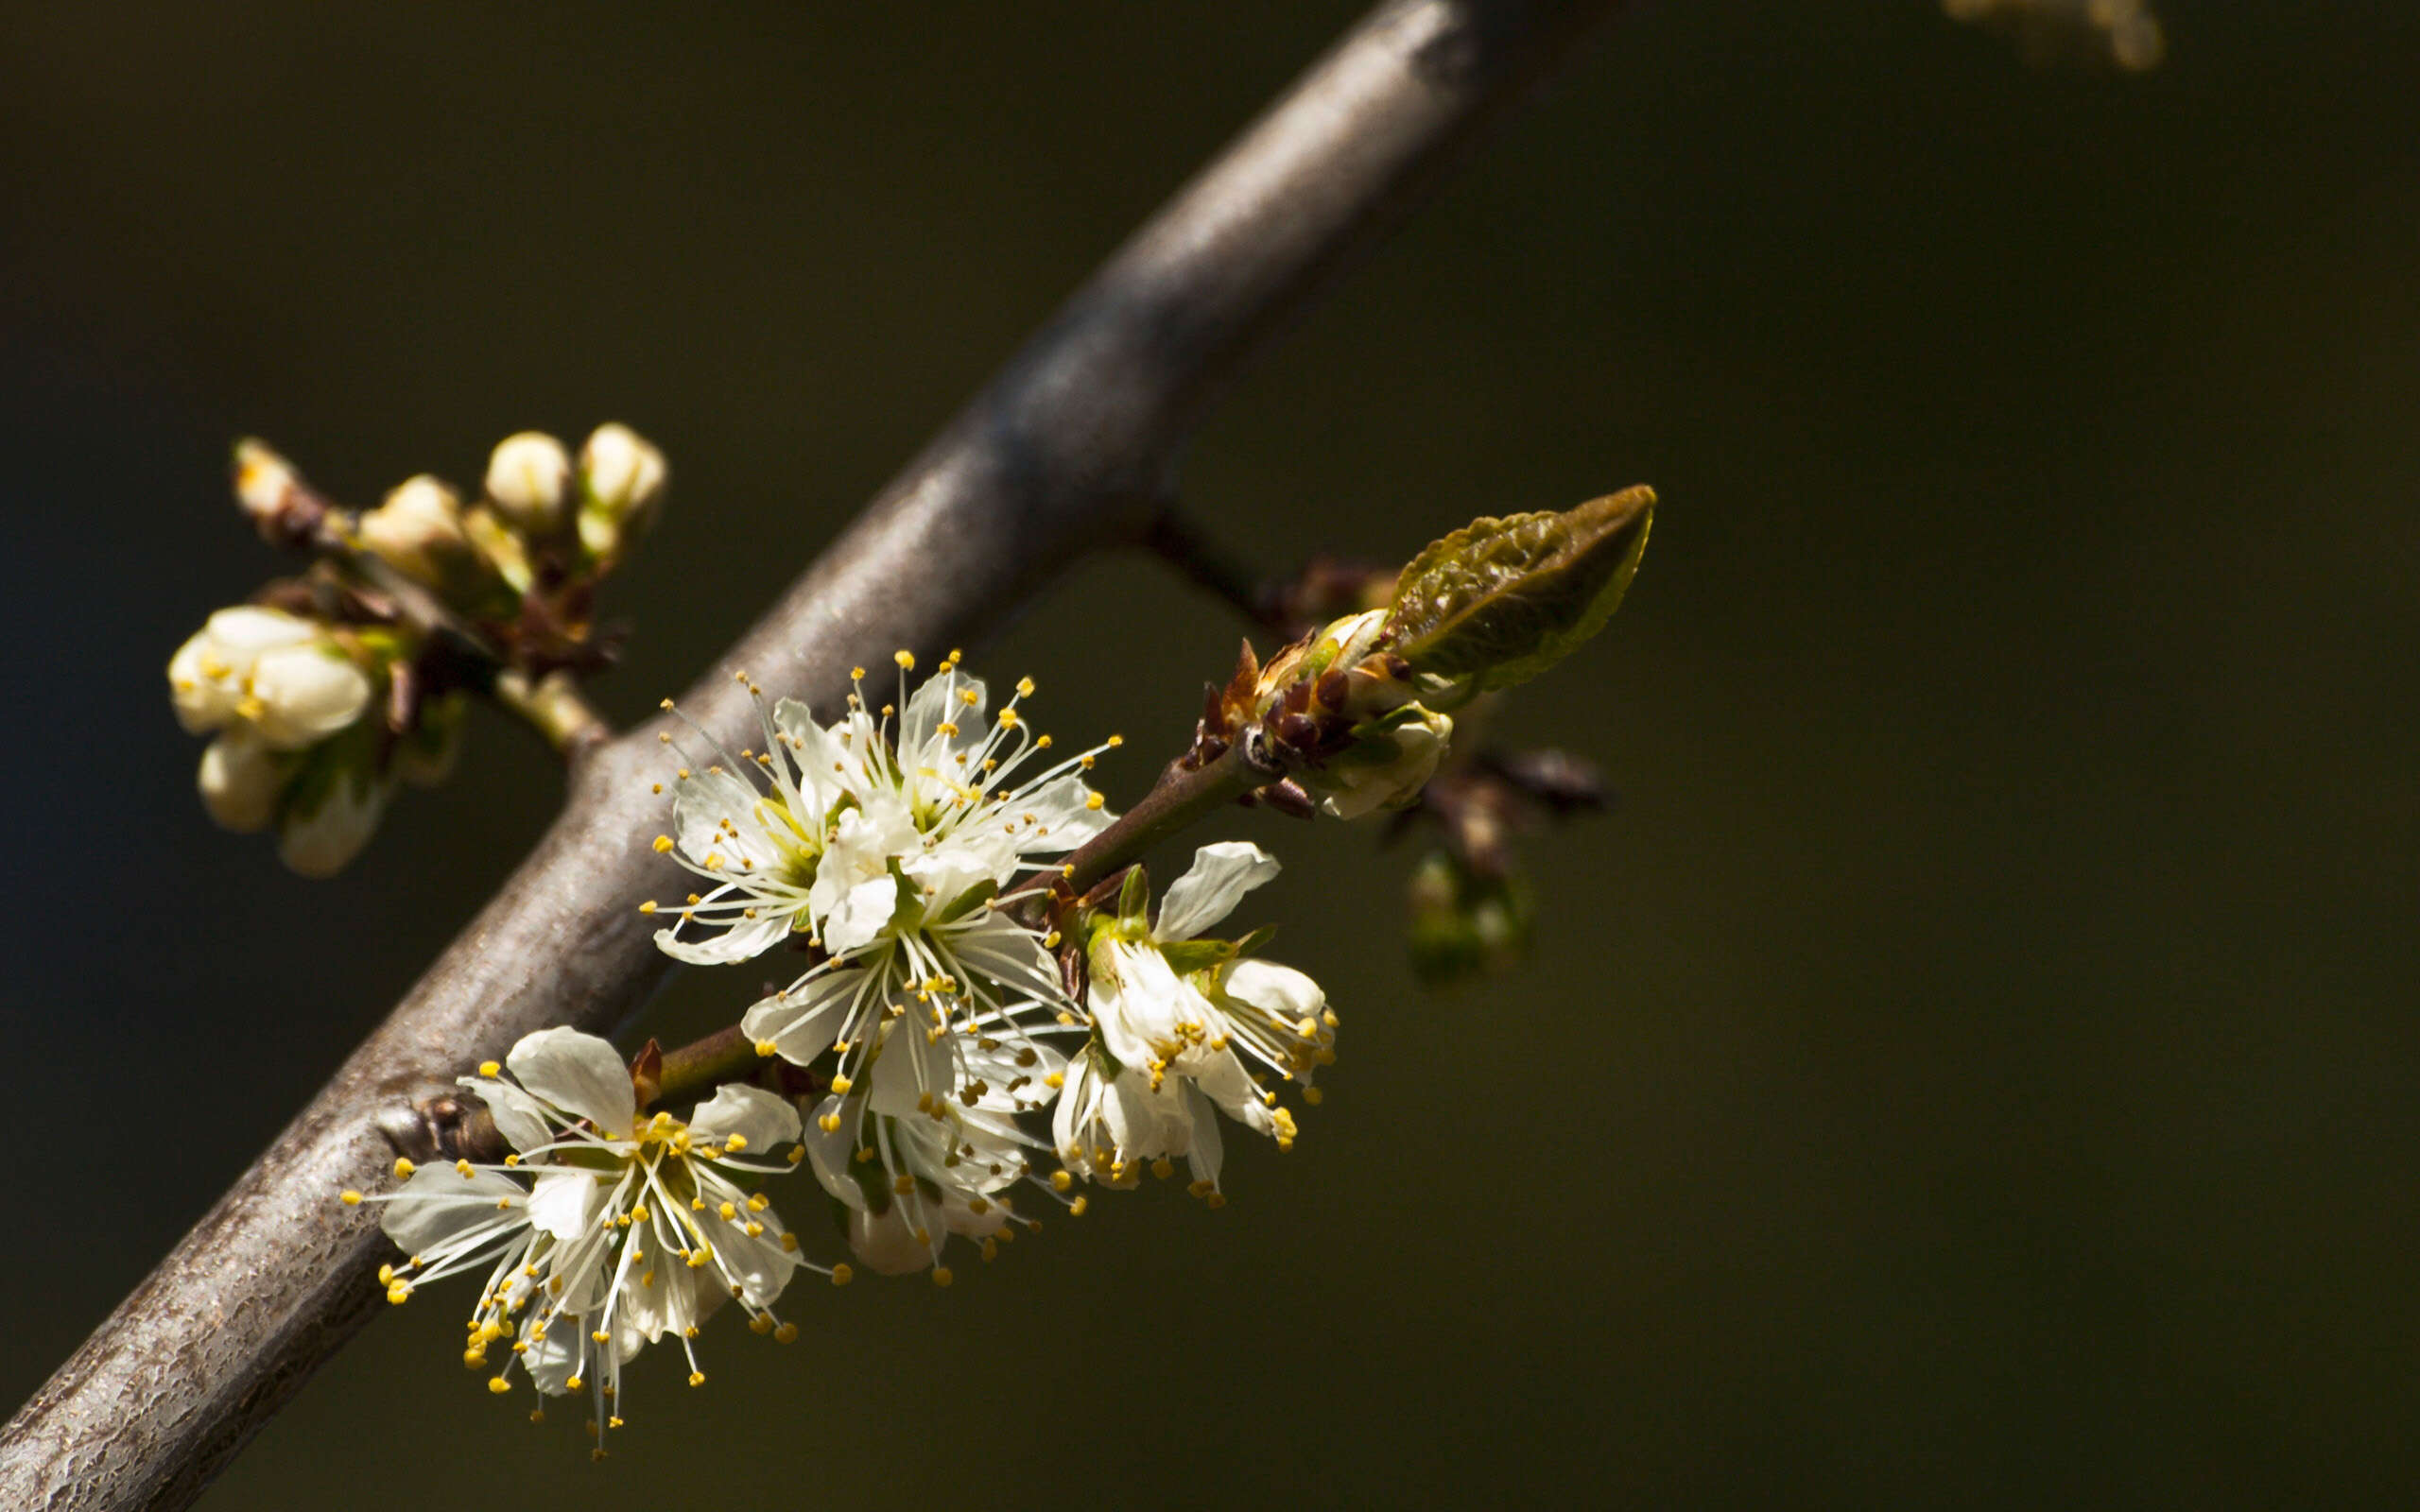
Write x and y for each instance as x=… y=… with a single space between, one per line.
x=1065 y=450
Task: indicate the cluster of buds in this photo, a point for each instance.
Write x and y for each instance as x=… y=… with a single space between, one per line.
x=332 y=687
x=293 y=702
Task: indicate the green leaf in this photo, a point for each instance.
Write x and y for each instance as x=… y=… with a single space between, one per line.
x=1502 y=600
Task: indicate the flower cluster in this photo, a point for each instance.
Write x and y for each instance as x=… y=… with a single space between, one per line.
x=964 y=1034
x=335 y=686
x=607 y=1227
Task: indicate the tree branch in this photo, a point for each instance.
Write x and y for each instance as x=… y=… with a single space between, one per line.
x=1066 y=450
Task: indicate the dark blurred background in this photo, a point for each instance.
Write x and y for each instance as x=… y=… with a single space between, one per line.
x=1975 y=1064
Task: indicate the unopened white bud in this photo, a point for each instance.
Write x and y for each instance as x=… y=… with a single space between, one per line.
x=319 y=843
x=418 y=530
x=240 y=780
x=264 y=483
x=1386 y=767
x=211 y=675
x=622 y=478
x=303 y=694
x=528 y=477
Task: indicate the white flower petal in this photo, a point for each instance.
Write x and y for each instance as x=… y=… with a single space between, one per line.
x=761 y=1119
x=832 y=1152
x=579 y=1073
x=567 y=1200
x=307 y=694
x=885 y=1241
x=243 y=632
x=803 y=1022
x=439 y=1204
x=1280 y=991
x=518 y=1116
x=1209 y=890
x=863 y=911
x=745 y=940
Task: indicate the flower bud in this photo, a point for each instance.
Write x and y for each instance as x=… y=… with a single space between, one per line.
x=303 y=694
x=240 y=780
x=210 y=677
x=528 y=477
x=326 y=829
x=622 y=478
x=418 y=530
x=1390 y=760
x=271 y=494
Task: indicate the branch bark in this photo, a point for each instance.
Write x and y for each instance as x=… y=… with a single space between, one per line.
x=1071 y=447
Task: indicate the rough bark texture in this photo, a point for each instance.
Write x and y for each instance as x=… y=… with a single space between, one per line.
x=1070 y=448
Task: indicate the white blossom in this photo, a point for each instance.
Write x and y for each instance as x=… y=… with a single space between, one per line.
x=607 y=1228
x=883 y=845
x=1173 y=1017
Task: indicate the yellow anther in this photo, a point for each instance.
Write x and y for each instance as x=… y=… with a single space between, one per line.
x=729 y=1211
x=1025 y=687
x=1061 y=1180
x=696 y=1378
x=513 y=1159
x=790 y=1243
x=735 y=1143
x=1054 y=1080
x=601 y=1336
x=1163 y=1168
x=840 y=1086
x=472 y=1359
x=1095 y=802
x=941 y=1275
x=1115 y=741
x=498 y=1385
x=1076 y=1209
x=463 y=1169
x=648 y=908
x=786 y=1334
x=348 y=1198
x=829 y=1123
x=767 y=1049
x=798 y=1153
x=841 y=1275
x=759 y=1203
x=903 y=1184
x=906 y=660
x=386 y=1275
x=1218 y=1199
x=663 y=844
x=969 y=697
x=399 y=1292
x=1008 y=719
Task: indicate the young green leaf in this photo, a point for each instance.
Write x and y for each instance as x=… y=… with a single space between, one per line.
x=1502 y=600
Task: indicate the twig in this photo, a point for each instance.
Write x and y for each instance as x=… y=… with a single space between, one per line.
x=1062 y=452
